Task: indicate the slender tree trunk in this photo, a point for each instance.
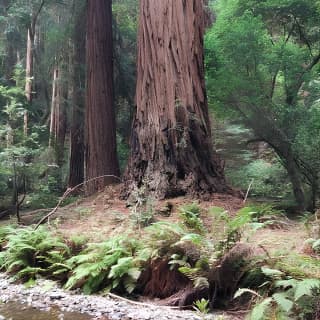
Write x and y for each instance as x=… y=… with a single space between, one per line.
x=53 y=114
x=101 y=152
x=29 y=75
x=76 y=170
x=58 y=115
x=29 y=66
x=295 y=179
x=171 y=142
x=276 y=138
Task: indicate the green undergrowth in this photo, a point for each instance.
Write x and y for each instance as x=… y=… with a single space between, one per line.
x=285 y=285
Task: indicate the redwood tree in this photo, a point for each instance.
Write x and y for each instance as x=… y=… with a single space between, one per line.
x=76 y=169
x=171 y=142
x=101 y=154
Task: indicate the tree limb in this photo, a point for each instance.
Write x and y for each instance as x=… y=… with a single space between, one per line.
x=68 y=192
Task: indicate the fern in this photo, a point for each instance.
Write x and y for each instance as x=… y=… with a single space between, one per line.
x=292 y=297
x=190 y=215
x=283 y=301
x=30 y=252
x=108 y=265
x=305 y=288
x=261 y=310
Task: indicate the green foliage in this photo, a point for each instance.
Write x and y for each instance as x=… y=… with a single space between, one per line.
x=30 y=252
x=143 y=216
x=190 y=215
x=269 y=179
x=294 y=299
x=202 y=306
x=282 y=296
x=110 y=265
x=142 y=206
x=262 y=69
x=18 y=169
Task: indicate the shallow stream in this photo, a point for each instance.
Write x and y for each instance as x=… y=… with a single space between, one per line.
x=18 y=311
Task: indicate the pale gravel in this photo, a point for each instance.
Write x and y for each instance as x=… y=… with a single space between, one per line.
x=46 y=294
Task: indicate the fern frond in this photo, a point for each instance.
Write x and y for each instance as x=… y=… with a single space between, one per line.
x=283 y=301
x=305 y=287
x=261 y=309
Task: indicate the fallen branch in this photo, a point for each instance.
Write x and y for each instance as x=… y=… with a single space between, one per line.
x=67 y=193
x=112 y=295
x=30 y=213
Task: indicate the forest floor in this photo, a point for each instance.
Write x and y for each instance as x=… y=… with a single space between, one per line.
x=104 y=215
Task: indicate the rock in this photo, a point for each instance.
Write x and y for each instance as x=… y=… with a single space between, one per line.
x=94 y=306
x=56 y=295
x=2 y=317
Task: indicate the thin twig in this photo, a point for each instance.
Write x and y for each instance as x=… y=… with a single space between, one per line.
x=247 y=193
x=67 y=193
x=265 y=251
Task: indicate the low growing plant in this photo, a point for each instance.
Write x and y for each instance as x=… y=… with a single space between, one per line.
x=202 y=306
x=190 y=215
x=284 y=297
x=110 y=265
x=30 y=252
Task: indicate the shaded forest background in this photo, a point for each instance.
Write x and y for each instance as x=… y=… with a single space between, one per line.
x=180 y=101
x=262 y=77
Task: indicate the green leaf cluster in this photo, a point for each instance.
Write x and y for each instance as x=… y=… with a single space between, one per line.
x=110 y=265
x=28 y=252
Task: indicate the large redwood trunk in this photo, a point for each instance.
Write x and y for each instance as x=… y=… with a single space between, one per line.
x=171 y=143
x=101 y=152
x=76 y=170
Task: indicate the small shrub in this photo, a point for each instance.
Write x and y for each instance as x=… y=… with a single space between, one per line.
x=142 y=216
x=30 y=252
x=190 y=215
x=110 y=265
x=269 y=178
x=142 y=208
x=283 y=296
x=202 y=306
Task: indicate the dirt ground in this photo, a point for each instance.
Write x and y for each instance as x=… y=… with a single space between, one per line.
x=104 y=215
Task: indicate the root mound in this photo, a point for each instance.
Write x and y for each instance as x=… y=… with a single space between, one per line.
x=159 y=281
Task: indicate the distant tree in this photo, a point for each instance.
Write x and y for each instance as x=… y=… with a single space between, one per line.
x=100 y=135
x=261 y=57
x=171 y=143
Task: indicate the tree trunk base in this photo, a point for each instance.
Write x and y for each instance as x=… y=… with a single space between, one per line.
x=158 y=281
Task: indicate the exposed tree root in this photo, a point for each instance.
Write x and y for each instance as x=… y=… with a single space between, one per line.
x=158 y=281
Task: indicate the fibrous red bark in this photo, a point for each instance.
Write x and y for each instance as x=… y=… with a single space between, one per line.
x=171 y=143
x=76 y=168
x=100 y=156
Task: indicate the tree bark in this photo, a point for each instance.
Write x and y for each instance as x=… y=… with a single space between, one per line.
x=101 y=152
x=29 y=75
x=171 y=142
x=29 y=61
x=58 y=115
x=76 y=164
x=29 y=66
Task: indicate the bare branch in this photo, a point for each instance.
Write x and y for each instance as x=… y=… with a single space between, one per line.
x=68 y=192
